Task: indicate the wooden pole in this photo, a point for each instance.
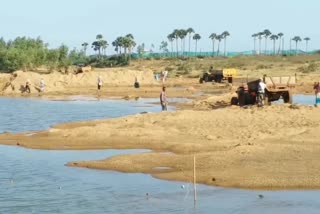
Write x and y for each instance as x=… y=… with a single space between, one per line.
x=194 y=180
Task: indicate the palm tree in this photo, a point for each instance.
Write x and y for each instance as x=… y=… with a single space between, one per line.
x=182 y=34
x=98 y=44
x=266 y=34
x=219 y=38
x=104 y=45
x=176 y=37
x=171 y=38
x=260 y=34
x=224 y=35
x=280 y=35
x=129 y=43
x=255 y=35
x=307 y=39
x=190 y=31
x=85 y=46
x=196 y=37
x=274 y=38
x=296 y=39
x=213 y=37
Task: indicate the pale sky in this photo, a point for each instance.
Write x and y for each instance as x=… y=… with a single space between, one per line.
x=73 y=22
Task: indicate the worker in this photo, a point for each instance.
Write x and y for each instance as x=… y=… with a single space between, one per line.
x=136 y=83
x=163 y=99
x=316 y=88
x=27 y=87
x=261 y=92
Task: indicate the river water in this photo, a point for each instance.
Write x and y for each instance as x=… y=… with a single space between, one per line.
x=37 y=181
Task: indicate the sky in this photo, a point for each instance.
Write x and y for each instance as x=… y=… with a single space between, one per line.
x=73 y=22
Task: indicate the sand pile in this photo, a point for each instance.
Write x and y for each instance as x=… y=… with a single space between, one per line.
x=56 y=82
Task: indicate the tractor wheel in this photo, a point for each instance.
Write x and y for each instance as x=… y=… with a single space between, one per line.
x=287 y=97
x=234 y=101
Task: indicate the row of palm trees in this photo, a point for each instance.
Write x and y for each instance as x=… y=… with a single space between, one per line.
x=125 y=43
x=274 y=37
x=182 y=34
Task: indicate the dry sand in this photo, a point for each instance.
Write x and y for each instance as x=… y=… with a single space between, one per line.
x=276 y=147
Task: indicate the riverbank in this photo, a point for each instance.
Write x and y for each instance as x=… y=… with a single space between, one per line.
x=275 y=147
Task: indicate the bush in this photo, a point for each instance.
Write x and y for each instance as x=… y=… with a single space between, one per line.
x=312 y=67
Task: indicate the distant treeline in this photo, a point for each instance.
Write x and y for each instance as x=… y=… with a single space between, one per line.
x=25 y=53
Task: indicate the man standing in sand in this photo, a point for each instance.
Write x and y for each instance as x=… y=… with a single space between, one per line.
x=163 y=99
x=27 y=87
x=316 y=88
x=261 y=92
x=164 y=75
x=42 y=85
x=99 y=82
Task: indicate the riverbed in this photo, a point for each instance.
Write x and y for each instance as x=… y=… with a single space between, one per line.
x=37 y=181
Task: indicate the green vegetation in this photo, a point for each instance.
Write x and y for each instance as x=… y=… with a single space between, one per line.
x=25 y=53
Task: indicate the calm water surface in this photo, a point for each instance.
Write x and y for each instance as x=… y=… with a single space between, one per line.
x=36 y=181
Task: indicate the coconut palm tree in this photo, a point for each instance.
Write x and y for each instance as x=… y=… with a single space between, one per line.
x=171 y=38
x=98 y=44
x=213 y=38
x=224 y=35
x=274 y=38
x=190 y=31
x=196 y=37
x=219 y=38
x=104 y=45
x=129 y=44
x=307 y=39
x=85 y=46
x=255 y=35
x=176 y=37
x=266 y=34
x=182 y=34
x=260 y=34
x=296 y=39
x=280 y=35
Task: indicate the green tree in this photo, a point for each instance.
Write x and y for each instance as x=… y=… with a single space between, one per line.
x=307 y=39
x=176 y=37
x=280 y=35
x=274 y=38
x=255 y=35
x=266 y=34
x=196 y=37
x=224 y=35
x=164 y=47
x=85 y=46
x=190 y=31
x=171 y=38
x=213 y=39
x=296 y=39
x=99 y=44
x=219 y=38
x=182 y=35
x=260 y=34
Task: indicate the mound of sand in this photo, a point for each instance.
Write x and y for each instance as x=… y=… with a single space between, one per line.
x=57 y=82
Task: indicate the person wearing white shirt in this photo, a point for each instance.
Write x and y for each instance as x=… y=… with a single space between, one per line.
x=261 y=91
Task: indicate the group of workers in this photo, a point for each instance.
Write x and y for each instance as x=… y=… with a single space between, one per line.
x=27 y=87
x=163 y=95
